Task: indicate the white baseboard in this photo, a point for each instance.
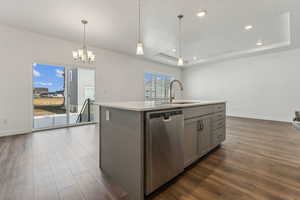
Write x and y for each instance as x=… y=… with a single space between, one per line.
x=14 y=132
x=259 y=118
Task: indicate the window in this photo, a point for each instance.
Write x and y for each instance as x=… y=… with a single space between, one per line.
x=156 y=86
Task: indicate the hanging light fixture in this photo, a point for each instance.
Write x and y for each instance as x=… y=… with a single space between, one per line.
x=180 y=59
x=84 y=55
x=139 y=46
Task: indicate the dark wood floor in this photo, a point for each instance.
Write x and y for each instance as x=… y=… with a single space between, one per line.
x=58 y=164
x=259 y=160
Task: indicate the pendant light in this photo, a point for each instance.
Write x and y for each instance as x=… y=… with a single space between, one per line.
x=180 y=59
x=84 y=55
x=139 y=46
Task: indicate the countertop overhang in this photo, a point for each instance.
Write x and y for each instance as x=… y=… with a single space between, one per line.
x=141 y=106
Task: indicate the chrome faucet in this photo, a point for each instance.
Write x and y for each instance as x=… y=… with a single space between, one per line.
x=171 y=88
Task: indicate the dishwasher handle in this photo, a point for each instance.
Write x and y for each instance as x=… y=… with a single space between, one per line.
x=166 y=116
x=167 y=119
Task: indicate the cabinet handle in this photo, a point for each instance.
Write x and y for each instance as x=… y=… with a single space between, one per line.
x=200 y=125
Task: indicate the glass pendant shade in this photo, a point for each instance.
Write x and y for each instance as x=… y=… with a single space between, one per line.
x=139 y=48
x=180 y=61
x=75 y=55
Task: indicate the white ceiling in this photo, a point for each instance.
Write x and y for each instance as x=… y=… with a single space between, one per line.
x=113 y=25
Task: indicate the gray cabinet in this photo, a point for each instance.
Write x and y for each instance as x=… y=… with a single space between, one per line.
x=191 y=136
x=204 y=139
x=204 y=129
x=218 y=136
x=197 y=138
x=123 y=141
x=218 y=132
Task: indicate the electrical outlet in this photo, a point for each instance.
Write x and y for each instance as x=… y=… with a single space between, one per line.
x=3 y=121
x=107 y=115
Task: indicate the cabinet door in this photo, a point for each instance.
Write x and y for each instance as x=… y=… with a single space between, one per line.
x=191 y=128
x=204 y=136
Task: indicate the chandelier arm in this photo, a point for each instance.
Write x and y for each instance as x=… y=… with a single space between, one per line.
x=84 y=39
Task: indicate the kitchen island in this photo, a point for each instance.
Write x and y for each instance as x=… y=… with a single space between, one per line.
x=143 y=145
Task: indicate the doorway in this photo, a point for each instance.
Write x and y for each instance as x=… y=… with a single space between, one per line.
x=62 y=96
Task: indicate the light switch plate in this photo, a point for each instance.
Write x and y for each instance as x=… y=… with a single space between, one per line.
x=107 y=115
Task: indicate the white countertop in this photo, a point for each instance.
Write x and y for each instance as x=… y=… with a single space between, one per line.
x=152 y=105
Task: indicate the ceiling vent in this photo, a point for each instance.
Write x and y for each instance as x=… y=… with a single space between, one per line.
x=168 y=58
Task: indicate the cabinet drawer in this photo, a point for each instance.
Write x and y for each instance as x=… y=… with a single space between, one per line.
x=219 y=117
x=218 y=136
x=218 y=124
x=219 y=107
x=197 y=111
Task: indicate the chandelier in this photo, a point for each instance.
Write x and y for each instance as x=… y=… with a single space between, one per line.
x=84 y=55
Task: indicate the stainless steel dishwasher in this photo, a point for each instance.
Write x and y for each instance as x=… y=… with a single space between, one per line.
x=164 y=147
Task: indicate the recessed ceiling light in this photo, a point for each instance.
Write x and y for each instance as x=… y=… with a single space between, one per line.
x=202 y=13
x=248 y=27
x=174 y=50
x=259 y=43
x=194 y=58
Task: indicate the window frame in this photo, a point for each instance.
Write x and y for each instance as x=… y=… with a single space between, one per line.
x=68 y=67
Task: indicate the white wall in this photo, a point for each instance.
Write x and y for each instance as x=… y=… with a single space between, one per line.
x=121 y=78
x=263 y=87
x=118 y=77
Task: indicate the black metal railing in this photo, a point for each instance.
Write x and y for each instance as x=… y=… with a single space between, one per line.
x=296 y=120
x=85 y=112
